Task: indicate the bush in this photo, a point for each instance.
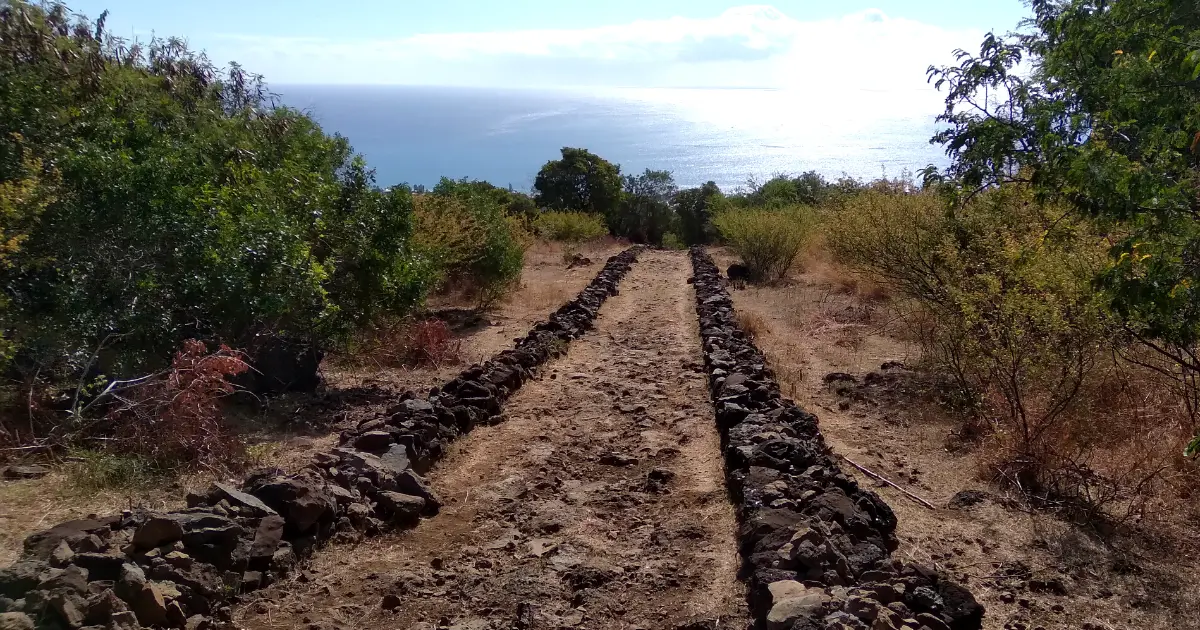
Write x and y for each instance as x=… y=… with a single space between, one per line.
x=1009 y=311
x=174 y=418
x=673 y=241
x=470 y=243
x=768 y=241
x=569 y=227
x=182 y=203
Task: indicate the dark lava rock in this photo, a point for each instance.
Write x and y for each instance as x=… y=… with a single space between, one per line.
x=967 y=498
x=26 y=472
x=245 y=502
x=157 y=530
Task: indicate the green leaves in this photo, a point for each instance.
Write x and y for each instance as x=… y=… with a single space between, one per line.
x=581 y=181
x=184 y=204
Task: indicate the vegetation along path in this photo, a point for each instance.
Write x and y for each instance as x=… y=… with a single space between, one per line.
x=599 y=503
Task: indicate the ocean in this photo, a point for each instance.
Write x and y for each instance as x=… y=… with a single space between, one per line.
x=416 y=135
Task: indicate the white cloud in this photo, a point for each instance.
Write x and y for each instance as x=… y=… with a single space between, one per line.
x=751 y=46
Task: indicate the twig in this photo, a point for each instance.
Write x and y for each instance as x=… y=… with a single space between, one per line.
x=871 y=473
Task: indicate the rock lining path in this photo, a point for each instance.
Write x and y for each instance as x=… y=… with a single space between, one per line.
x=599 y=503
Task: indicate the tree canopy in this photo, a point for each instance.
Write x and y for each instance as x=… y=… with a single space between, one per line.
x=581 y=181
x=147 y=197
x=1097 y=103
x=645 y=214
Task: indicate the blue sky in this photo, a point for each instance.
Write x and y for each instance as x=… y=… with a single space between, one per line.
x=852 y=44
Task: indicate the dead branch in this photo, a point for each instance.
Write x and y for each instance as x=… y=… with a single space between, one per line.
x=871 y=473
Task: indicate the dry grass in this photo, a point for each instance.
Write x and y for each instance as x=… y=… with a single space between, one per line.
x=753 y=324
x=1140 y=576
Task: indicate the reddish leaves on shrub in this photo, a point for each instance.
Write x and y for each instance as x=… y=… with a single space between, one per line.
x=175 y=417
x=429 y=342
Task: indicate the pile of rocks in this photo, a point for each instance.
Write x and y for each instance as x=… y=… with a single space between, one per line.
x=182 y=569
x=816 y=547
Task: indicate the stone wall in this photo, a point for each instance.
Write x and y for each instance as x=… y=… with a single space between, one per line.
x=183 y=569
x=816 y=547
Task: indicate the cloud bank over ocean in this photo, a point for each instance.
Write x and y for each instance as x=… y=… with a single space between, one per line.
x=750 y=46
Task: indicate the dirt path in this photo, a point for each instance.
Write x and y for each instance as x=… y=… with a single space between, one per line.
x=599 y=503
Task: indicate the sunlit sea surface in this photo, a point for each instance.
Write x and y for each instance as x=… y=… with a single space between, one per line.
x=416 y=135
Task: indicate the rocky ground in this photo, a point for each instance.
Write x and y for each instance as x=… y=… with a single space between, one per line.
x=600 y=500
x=294 y=427
x=599 y=503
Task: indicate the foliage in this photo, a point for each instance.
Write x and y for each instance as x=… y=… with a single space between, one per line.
x=174 y=418
x=184 y=204
x=580 y=181
x=515 y=203
x=672 y=240
x=768 y=241
x=470 y=242
x=95 y=470
x=694 y=208
x=645 y=214
x=1010 y=312
x=569 y=227
x=1097 y=104
x=22 y=200
x=809 y=189
x=429 y=342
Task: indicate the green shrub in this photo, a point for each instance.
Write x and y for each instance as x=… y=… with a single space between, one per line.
x=1009 y=310
x=768 y=241
x=569 y=227
x=673 y=241
x=470 y=242
x=182 y=203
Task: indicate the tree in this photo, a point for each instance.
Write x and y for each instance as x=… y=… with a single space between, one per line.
x=1097 y=103
x=645 y=214
x=694 y=207
x=581 y=181
x=185 y=204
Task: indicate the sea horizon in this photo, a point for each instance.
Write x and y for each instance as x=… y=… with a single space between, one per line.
x=417 y=134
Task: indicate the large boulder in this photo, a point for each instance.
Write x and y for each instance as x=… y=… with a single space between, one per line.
x=302 y=500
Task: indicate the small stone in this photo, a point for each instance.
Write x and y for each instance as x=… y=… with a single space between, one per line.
x=865 y=609
x=612 y=458
x=179 y=559
x=198 y=622
x=967 y=498
x=101 y=607
x=404 y=509
x=70 y=607
x=539 y=547
x=373 y=441
x=785 y=589
x=788 y=611
x=15 y=621
x=125 y=620
x=391 y=601
x=932 y=622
